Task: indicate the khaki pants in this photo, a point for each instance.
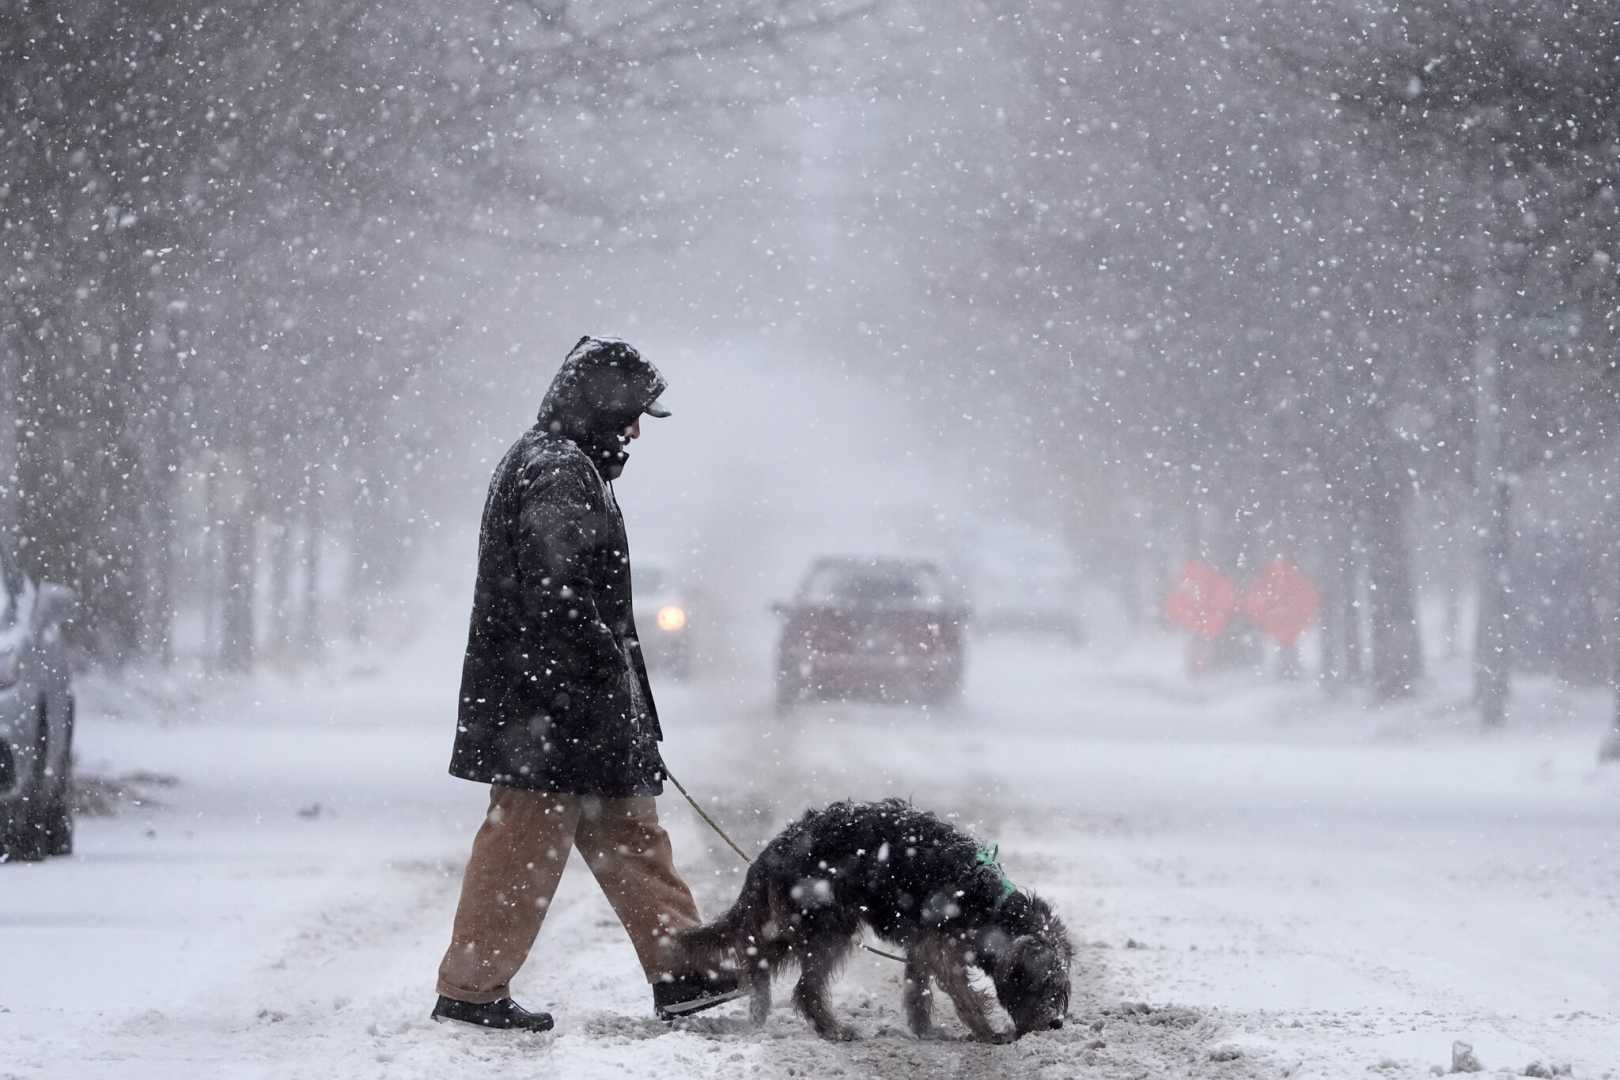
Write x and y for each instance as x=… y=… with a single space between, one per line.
x=517 y=860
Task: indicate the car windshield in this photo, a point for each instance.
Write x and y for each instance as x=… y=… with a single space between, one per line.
x=873 y=583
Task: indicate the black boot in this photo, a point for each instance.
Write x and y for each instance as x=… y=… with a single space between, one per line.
x=502 y=1014
x=683 y=995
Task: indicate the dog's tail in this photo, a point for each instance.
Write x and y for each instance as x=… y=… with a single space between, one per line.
x=710 y=944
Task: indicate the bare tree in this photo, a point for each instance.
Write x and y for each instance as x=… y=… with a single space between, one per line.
x=192 y=196
x=1519 y=107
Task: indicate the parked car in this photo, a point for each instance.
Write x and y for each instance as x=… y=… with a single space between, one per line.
x=883 y=628
x=1022 y=579
x=666 y=619
x=36 y=718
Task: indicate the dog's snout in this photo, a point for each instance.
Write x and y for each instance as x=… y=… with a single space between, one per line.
x=1057 y=1023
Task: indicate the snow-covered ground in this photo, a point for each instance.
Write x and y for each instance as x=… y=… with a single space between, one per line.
x=1292 y=889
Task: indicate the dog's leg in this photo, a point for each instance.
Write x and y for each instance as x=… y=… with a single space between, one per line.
x=823 y=953
x=919 y=995
x=950 y=968
x=765 y=951
x=763 y=967
x=759 y=1005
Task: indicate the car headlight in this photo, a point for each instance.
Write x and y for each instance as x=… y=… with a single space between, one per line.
x=10 y=669
x=671 y=619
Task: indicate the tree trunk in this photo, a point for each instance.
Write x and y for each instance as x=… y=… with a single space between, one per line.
x=210 y=556
x=1492 y=648
x=1337 y=555
x=1288 y=665
x=1492 y=670
x=1193 y=523
x=10 y=397
x=237 y=577
x=1332 y=672
x=236 y=614
x=357 y=571
x=363 y=575
x=1230 y=545
x=157 y=623
x=1453 y=611
x=1610 y=749
x=282 y=543
x=153 y=480
x=123 y=463
x=120 y=595
x=1350 y=609
x=1397 y=648
x=310 y=638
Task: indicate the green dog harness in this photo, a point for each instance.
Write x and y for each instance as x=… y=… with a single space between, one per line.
x=991 y=857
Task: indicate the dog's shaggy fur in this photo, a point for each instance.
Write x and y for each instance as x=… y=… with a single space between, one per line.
x=917 y=882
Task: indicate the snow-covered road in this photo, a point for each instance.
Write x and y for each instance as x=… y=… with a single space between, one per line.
x=1293 y=890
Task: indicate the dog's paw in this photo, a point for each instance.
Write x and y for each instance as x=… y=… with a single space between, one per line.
x=1001 y=1038
x=839 y=1033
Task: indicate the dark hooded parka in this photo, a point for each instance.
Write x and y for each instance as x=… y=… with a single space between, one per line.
x=554 y=692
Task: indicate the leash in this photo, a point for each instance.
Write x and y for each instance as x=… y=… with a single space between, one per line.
x=747 y=858
x=711 y=823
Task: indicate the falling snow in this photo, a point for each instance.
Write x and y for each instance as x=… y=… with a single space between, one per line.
x=1173 y=440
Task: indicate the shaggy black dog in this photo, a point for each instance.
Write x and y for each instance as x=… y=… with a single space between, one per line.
x=917 y=882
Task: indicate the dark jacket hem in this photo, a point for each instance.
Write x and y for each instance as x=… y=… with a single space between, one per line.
x=549 y=787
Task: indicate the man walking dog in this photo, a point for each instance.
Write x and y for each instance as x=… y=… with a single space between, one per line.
x=556 y=712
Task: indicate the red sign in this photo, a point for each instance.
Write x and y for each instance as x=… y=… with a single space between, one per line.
x=1282 y=602
x=1202 y=601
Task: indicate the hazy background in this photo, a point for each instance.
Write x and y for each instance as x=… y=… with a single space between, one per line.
x=1233 y=281
x=1102 y=303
